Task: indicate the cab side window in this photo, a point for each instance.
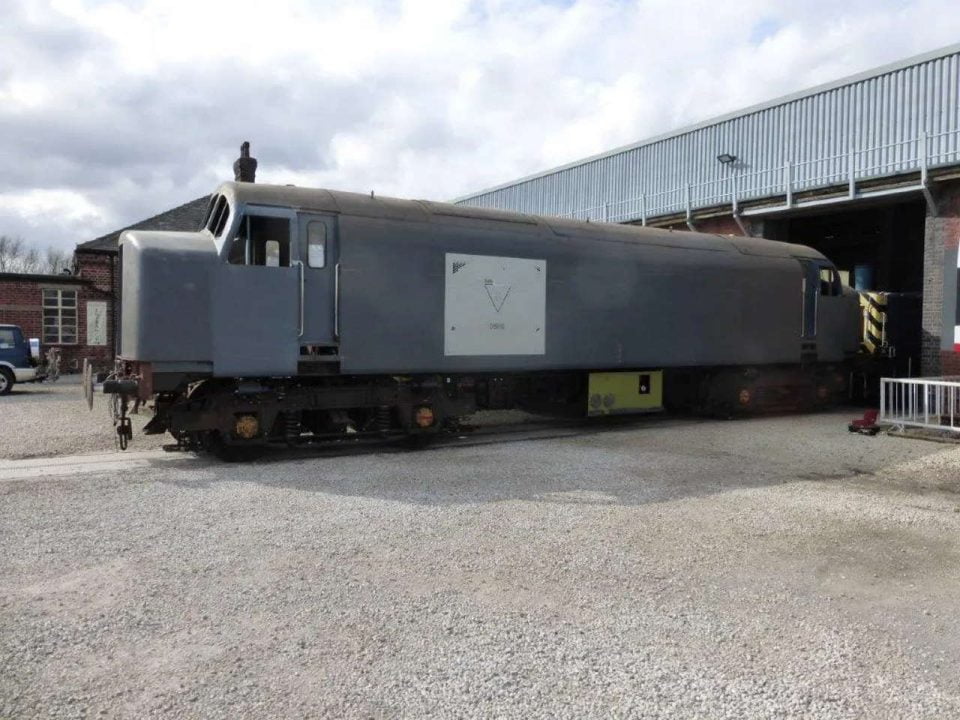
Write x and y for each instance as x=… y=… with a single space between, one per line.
x=261 y=241
x=829 y=282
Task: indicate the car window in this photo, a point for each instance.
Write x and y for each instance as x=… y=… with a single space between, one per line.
x=8 y=339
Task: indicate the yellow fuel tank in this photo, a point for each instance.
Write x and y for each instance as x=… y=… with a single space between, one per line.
x=613 y=393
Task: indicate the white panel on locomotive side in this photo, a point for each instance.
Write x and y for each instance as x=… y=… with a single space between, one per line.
x=494 y=305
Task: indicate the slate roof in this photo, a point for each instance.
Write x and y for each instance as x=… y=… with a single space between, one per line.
x=183 y=217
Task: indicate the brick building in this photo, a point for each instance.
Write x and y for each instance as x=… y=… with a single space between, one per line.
x=65 y=311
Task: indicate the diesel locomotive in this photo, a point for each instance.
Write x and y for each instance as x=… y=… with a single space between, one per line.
x=298 y=315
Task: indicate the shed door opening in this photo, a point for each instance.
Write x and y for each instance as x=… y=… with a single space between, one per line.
x=877 y=249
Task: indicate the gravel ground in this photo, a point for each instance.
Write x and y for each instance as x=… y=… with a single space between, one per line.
x=51 y=418
x=768 y=568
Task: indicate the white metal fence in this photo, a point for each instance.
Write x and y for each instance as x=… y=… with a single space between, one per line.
x=920 y=402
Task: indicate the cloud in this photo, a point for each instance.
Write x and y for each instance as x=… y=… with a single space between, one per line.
x=112 y=112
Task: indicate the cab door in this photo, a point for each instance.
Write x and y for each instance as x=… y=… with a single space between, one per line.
x=320 y=268
x=254 y=318
x=822 y=298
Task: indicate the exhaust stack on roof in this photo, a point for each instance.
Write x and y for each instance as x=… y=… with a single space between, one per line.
x=245 y=167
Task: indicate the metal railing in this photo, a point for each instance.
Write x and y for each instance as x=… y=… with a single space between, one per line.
x=932 y=403
x=855 y=166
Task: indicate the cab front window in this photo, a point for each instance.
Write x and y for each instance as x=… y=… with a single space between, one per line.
x=217 y=215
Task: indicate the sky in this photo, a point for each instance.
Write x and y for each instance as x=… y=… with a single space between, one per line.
x=111 y=112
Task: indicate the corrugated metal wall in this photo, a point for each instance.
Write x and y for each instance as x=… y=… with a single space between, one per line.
x=875 y=126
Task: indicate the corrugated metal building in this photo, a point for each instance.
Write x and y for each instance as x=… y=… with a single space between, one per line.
x=864 y=168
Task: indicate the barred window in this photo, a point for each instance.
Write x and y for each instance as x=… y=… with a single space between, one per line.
x=60 y=316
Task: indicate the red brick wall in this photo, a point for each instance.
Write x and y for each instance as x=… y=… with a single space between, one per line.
x=98 y=269
x=941 y=239
x=103 y=272
x=949 y=363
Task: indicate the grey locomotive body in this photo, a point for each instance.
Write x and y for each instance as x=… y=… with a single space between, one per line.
x=298 y=313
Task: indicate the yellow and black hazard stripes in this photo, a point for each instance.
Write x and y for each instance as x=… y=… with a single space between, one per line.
x=874 y=306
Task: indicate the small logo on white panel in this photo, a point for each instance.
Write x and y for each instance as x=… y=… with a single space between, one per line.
x=496 y=293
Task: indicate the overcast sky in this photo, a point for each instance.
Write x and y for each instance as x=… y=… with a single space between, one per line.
x=114 y=111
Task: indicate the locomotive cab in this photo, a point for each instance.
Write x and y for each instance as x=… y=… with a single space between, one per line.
x=830 y=314
x=266 y=240
x=253 y=293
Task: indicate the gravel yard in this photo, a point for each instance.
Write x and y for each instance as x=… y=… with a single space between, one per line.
x=52 y=418
x=775 y=567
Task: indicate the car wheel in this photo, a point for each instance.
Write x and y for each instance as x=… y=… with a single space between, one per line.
x=6 y=381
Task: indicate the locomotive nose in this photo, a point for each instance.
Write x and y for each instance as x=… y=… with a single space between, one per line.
x=165 y=293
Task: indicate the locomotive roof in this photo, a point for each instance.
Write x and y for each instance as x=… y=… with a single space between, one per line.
x=348 y=203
